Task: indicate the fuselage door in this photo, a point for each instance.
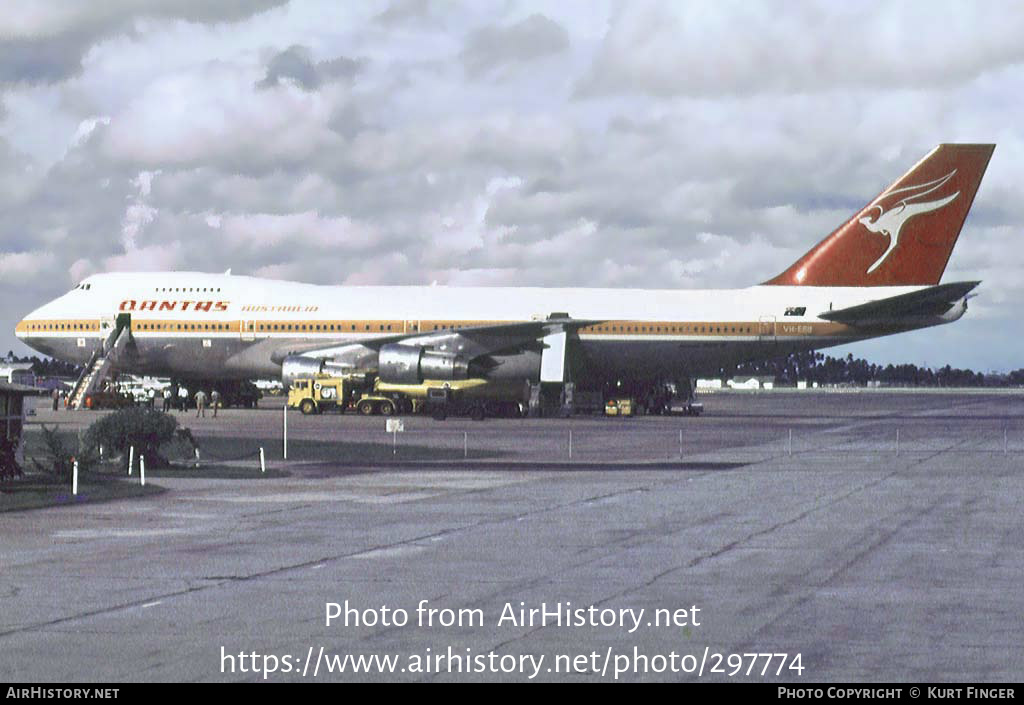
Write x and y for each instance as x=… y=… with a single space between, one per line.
x=107 y=324
x=247 y=330
x=766 y=329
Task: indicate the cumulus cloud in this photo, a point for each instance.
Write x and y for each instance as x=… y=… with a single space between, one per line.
x=734 y=47
x=44 y=41
x=154 y=258
x=23 y=267
x=336 y=237
x=535 y=37
x=43 y=60
x=404 y=12
x=216 y=114
x=295 y=63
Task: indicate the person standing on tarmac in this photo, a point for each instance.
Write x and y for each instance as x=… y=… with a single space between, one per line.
x=182 y=398
x=214 y=401
x=201 y=404
x=167 y=399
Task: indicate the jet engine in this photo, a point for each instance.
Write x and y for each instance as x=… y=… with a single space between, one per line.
x=302 y=366
x=298 y=366
x=410 y=364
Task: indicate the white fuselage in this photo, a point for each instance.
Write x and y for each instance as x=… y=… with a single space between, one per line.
x=188 y=324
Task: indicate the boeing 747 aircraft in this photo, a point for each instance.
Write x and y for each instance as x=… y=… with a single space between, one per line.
x=877 y=274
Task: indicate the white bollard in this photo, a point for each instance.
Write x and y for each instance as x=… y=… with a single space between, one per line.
x=570 y=444
x=790 y=446
x=263 y=461
x=142 y=470
x=131 y=459
x=74 y=479
x=285 y=431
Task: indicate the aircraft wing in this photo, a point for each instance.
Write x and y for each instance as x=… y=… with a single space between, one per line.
x=474 y=341
x=931 y=301
x=469 y=341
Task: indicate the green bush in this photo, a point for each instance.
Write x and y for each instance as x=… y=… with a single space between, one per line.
x=59 y=460
x=144 y=428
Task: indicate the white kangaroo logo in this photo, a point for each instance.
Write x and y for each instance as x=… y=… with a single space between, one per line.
x=890 y=222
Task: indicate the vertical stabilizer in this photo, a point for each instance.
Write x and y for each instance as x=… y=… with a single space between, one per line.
x=906 y=234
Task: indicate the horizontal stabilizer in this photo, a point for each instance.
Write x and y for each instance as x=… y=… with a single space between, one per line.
x=933 y=301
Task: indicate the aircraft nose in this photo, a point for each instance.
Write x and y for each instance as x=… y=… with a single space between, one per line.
x=23 y=327
x=28 y=329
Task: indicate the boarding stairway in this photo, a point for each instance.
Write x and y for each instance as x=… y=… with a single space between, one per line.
x=98 y=368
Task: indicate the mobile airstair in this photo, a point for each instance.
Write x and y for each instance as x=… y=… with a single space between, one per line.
x=98 y=368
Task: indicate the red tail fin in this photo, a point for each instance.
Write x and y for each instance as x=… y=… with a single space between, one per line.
x=905 y=236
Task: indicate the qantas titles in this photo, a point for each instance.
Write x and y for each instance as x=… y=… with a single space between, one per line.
x=279 y=309
x=133 y=305
x=209 y=306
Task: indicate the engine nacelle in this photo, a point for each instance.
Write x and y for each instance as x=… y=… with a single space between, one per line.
x=302 y=366
x=410 y=364
x=299 y=366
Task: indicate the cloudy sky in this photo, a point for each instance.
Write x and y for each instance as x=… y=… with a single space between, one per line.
x=499 y=142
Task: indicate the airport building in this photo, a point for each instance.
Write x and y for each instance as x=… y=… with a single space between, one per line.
x=12 y=419
x=17 y=373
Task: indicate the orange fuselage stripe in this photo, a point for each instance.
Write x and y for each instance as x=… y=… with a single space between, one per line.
x=265 y=328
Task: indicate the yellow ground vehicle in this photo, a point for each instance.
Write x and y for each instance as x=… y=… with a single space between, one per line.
x=318 y=394
x=618 y=407
x=472 y=397
x=476 y=397
x=369 y=404
x=315 y=395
